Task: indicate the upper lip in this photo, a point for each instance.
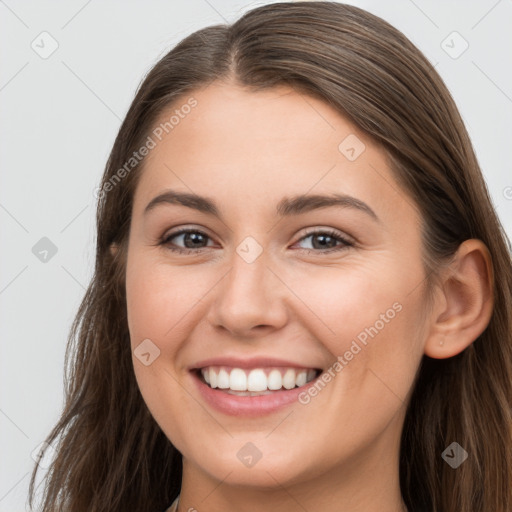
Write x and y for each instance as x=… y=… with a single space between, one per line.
x=251 y=362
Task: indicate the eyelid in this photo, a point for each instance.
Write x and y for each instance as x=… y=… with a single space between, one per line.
x=326 y=229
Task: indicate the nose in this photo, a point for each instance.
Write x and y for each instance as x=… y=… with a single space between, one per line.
x=250 y=300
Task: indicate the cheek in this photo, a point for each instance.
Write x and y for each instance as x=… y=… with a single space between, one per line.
x=160 y=301
x=370 y=318
x=158 y=298
x=343 y=302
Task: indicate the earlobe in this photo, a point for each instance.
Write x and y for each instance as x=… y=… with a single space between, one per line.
x=465 y=302
x=113 y=249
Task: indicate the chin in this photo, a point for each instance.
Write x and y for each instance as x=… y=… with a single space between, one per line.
x=242 y=463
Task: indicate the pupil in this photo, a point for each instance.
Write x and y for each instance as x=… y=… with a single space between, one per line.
x=194 y=236
x=324 y=237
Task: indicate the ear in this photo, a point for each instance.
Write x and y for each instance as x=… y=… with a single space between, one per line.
x=464 y=303
x=113 y=249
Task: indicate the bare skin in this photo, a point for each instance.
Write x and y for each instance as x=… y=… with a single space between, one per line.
x=247 y=151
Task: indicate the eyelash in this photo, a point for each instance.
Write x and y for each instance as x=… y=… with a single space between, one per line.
x=333 y=234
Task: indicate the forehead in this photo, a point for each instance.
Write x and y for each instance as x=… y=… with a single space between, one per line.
x=279 y=116
x=262 y=144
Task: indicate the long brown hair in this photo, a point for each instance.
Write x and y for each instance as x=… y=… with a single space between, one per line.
x=111 y=454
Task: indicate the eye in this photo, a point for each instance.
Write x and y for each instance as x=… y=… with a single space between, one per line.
x=192 y=238
x=195 y=240
x=326 y=241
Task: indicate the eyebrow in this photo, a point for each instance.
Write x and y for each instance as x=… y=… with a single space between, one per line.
x=288 y=206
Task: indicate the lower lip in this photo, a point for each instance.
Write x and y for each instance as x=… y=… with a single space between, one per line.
x=248 y=405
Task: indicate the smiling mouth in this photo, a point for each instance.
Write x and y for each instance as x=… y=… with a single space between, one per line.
x=256 y=381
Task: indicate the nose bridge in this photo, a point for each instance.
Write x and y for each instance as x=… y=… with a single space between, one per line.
x=250 y=294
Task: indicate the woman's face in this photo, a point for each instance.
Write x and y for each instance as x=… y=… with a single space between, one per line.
x=274 y=285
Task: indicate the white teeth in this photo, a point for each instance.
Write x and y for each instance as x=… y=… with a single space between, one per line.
x=223 y=379
x=257 y=381
x=301 y=378
x=237 y=380
x=213 y=378
x=274 y=380
x=289 y=379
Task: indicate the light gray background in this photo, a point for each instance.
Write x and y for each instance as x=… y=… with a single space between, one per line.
x=59 y=117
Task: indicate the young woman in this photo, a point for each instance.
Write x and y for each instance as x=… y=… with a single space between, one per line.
x=302 y=293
